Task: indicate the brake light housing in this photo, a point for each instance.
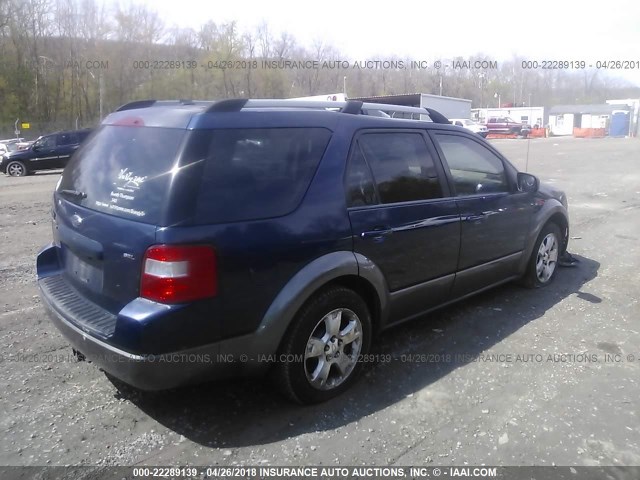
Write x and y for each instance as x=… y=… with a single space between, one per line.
x=179 y=273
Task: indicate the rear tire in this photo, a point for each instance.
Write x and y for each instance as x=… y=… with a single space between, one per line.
x=543 y=264
x=320 y=356
x=16 y=169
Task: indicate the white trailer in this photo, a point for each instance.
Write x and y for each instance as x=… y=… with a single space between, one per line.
x=450 y=107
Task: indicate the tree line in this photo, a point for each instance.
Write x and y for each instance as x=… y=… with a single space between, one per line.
x=63 y=63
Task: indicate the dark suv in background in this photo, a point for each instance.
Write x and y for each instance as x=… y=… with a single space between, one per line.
x=46 y=153
x=197 y=240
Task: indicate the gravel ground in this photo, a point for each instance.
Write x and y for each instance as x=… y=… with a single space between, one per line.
x=509 y=377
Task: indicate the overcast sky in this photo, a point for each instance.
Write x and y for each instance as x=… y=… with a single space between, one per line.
x=425 y=30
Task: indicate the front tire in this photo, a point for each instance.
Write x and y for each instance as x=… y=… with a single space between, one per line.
x=16 y=169
x=543 y=264
x=320 y=355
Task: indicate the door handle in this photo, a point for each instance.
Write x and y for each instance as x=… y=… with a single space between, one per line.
x=377 y=232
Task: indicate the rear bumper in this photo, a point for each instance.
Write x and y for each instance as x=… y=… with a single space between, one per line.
x=163 y=371
x=94 y=332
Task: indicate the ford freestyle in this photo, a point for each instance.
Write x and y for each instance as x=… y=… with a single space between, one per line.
x=200 y=240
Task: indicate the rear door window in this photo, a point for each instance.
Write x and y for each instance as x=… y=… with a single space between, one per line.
x=402 y=166
x=359 y=182
x=124 y=171
x=255 y=173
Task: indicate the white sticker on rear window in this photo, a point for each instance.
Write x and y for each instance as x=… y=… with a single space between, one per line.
x=131 y=180
x=118 y=208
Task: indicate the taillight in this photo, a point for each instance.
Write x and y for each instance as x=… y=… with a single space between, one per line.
x=179 y=273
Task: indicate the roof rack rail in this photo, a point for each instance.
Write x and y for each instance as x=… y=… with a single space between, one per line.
x=229 y=105
x=136 y=104
x=436 y=116
x=354 y=107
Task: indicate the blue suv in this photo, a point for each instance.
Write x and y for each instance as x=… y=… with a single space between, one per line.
x=198 y=240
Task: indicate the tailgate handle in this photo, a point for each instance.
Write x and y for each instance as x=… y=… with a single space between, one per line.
x=79 y=244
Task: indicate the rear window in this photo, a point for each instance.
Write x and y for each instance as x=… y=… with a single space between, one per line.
x=124 y=171
x=255 y=173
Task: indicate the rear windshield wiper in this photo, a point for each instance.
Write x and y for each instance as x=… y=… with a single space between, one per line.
x=74 y=193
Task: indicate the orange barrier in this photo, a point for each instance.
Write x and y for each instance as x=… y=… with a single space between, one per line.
x=589 y=132
x=502 y=135
x=538 y=133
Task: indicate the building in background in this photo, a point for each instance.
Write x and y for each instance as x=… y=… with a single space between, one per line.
x=450 y=107
x=589 y=120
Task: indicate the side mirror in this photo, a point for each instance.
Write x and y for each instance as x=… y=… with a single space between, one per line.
x=528 y=183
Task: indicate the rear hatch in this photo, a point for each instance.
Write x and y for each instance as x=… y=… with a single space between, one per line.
x=108 y=205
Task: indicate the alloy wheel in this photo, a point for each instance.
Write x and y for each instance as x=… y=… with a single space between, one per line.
x=547 y=259
x=15 y=170
x=333 y=349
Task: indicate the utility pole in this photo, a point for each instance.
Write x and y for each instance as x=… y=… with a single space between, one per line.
x=100 y=85
x=100 y=88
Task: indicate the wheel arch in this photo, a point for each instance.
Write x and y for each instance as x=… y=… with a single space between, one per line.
x=555 y=213
x=366 y=290
x=562 y=222
x=343 y=268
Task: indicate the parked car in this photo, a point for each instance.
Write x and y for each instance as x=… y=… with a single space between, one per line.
x=198 y=240
x=46 y=153
x=24 y=144
x=9 y=145
x=470 y=125
x=506 y=125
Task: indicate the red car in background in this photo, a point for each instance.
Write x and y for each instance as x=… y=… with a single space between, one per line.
x=507 y=125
